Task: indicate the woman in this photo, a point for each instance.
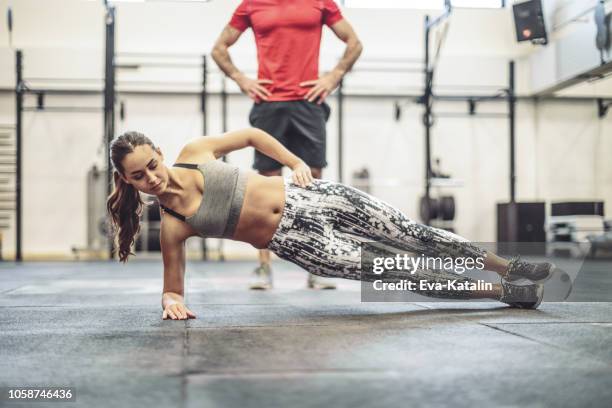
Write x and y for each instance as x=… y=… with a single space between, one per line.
x=318 y=225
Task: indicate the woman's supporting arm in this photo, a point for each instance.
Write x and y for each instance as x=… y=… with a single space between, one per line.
x=172 y=240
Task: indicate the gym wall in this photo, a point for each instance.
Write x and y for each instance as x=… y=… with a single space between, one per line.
x=562 y=147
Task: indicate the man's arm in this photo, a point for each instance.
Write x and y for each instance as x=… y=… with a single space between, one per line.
x=345 y=32
x=253 y=88
x=323 y=86
x=220 y=52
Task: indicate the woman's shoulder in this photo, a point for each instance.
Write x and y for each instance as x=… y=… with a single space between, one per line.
x=197 y=151
x=174 y=231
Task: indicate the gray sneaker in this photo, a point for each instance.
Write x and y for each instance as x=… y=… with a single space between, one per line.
x=262 y=279
x=535 y=272
x=318 y=283
x=522 y=297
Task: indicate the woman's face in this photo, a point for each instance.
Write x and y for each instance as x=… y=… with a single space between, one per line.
x=145 y=170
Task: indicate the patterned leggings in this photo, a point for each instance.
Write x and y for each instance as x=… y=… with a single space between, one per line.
x=323 y=226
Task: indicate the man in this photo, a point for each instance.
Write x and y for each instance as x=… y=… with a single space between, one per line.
x=289 y=94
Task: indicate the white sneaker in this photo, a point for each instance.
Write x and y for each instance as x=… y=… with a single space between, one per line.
x=319 y=283
x=262 y=279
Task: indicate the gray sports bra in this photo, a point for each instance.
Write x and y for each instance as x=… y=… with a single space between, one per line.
x=218 y=213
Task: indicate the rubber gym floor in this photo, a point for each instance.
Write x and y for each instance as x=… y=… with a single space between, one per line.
x=96 y=327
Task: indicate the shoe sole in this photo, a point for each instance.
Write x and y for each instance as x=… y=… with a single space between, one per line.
x=260 y=287
x=321 y=287
x=540 y=297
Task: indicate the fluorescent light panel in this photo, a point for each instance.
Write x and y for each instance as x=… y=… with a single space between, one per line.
x=155 y=1
x=420 y=4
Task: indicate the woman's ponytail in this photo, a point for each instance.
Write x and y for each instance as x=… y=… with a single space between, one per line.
x=125 y=208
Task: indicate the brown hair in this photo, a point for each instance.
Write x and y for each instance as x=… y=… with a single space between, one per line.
x=125 y=205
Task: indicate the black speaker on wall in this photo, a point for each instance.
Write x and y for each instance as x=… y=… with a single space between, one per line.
x=529 y=22
x=522 y=222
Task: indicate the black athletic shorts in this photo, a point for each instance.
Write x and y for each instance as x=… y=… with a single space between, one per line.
x=298 y=125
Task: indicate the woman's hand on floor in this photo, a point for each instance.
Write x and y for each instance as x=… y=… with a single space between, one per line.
x=177 y=311
x=302 y=175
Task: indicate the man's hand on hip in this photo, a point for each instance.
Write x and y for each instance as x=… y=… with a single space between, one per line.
x=321 y=87
x=254 y=87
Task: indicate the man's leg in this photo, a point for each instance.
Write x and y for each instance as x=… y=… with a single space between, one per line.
x=270 y=117
x=316 y=172
x=263 y=274
x=314 y=281
x=308 y=142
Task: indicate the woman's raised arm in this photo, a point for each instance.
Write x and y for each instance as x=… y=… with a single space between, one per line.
x=253 y=137
x=219 y=146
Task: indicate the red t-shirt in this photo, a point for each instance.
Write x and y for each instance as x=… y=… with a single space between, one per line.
x=288 y=37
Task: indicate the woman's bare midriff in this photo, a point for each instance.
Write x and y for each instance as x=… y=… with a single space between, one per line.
x=262 y=209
